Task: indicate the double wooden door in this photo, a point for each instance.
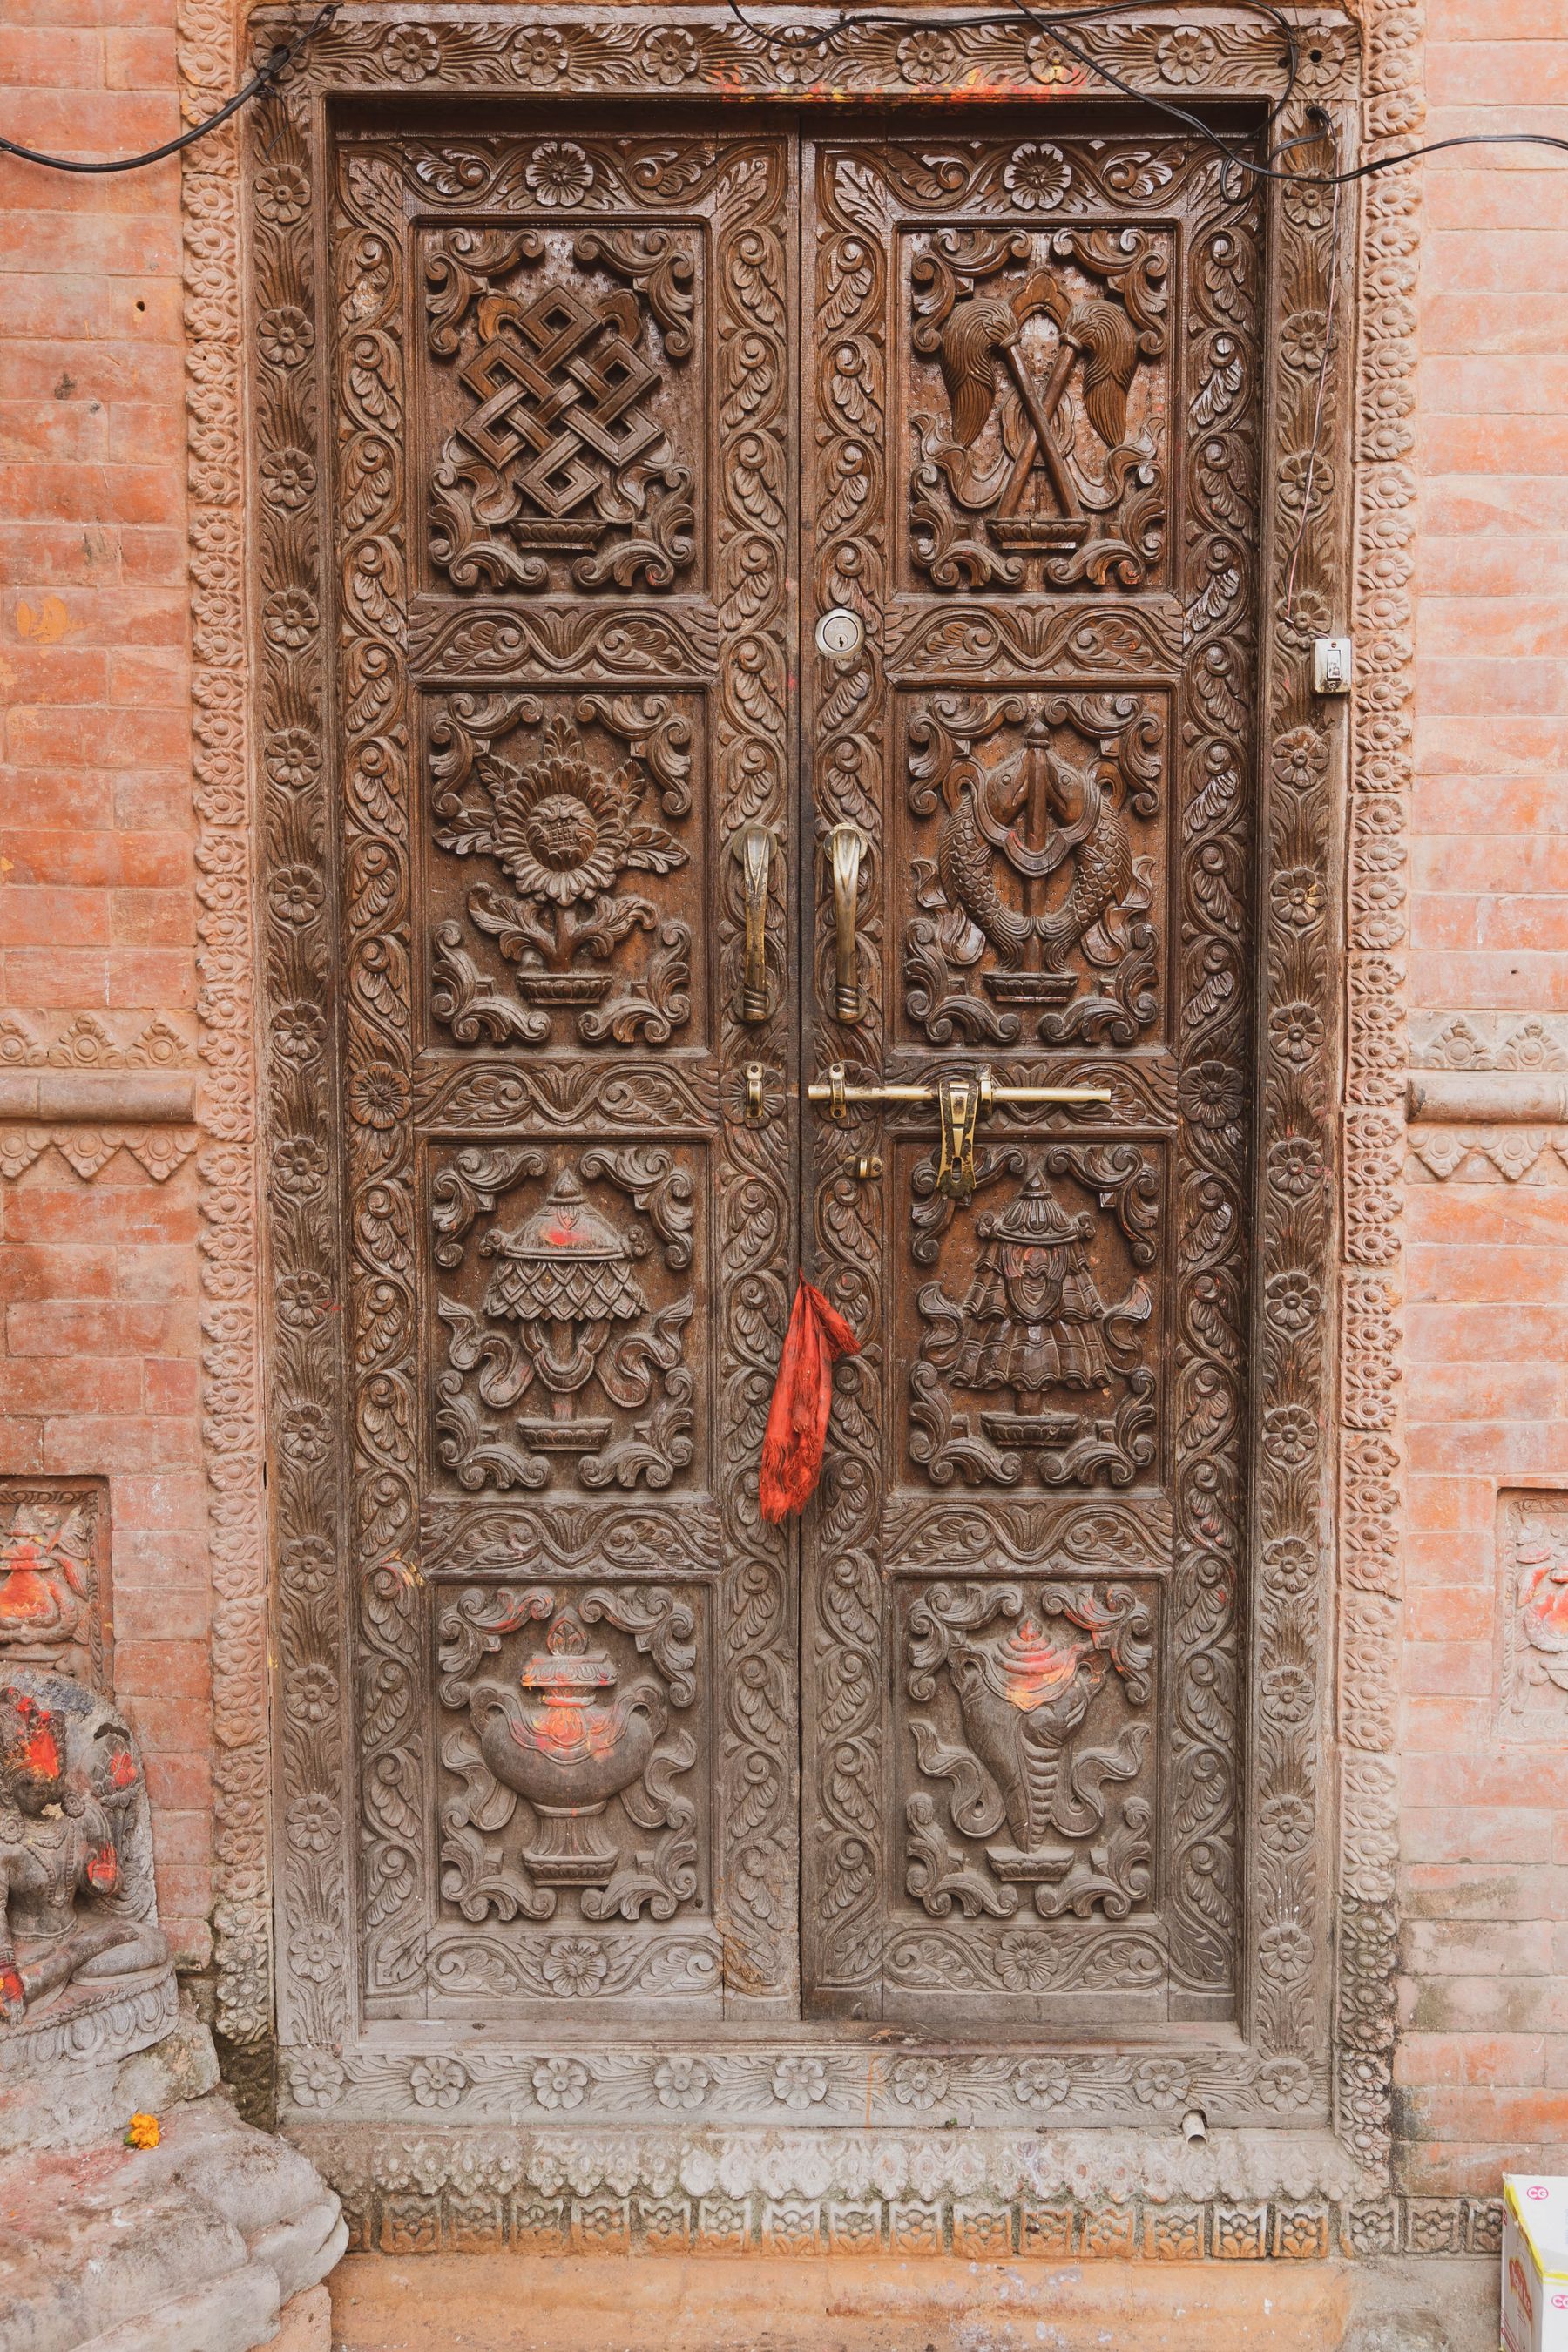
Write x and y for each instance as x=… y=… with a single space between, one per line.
x=812 y=645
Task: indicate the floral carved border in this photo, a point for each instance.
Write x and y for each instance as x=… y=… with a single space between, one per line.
x=394 y=53
x=207 y=55
x=1371 y=1494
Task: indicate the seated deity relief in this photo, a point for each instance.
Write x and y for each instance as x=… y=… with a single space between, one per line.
x=77 y=1901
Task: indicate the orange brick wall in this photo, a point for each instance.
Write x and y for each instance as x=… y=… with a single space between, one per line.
x=98 y=1281
x=1484 y=2057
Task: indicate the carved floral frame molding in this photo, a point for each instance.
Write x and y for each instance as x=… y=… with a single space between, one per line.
x=1337 y=802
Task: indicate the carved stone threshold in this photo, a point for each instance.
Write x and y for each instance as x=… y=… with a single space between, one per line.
x=983 y=2196
x=89 y=1115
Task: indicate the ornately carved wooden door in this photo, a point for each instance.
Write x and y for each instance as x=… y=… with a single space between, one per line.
x=604 y=1709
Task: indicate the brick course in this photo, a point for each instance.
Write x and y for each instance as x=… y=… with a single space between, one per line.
x=1483 y=2060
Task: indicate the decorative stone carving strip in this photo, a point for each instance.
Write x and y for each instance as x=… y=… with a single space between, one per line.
x=88 y=1115
x=96 y=1098
x=1488 y=1041
x=208 y=64
x=1382 y=768
x=1502 y=1098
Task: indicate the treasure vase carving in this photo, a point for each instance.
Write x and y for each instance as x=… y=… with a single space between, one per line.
x=571 y=1750
x=78 y=1913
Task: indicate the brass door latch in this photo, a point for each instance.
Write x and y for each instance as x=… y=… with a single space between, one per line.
x=962 y=1098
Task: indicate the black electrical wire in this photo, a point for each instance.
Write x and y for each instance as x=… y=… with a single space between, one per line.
x=1051 y=25
x=271 y=69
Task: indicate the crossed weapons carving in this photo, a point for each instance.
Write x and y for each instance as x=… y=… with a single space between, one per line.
x=987 y=328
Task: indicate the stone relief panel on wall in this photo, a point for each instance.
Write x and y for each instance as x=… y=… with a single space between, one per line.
x=577 y=813
x=567 y=458
x=1039 y=394
x=564 y=1304
x=1035 y=1348
x=1038 y=858
x=54 y=1578
x=1532 y=1568
x=77 y=1900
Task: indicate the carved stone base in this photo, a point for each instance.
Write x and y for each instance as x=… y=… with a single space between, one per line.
x=67 y=2068
x=197 y=2245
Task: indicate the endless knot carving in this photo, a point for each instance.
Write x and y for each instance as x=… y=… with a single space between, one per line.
x=1004 y=1721
x=1048 y=471
x=564 y=1322
x=568 y=1755
x=566 y=819
x=566 y=451
x=1047 y=863
x=1034 y=1325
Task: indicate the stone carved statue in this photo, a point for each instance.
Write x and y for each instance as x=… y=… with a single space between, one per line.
x=76 y=1902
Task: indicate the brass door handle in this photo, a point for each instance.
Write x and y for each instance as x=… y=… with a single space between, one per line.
x=961 y=1098
x=846 y=849
x=754 y=848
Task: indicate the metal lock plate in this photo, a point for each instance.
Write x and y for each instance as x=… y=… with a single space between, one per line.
x=839 y=634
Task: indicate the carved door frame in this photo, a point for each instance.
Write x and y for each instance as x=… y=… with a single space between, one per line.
x=1287 y=2067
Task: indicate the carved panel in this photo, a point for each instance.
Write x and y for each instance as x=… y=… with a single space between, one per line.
x=575 y=1757
x=1036 y=854
x=563 y=1298
x=566 y=426
x=1532 y=1576
x=1038 y=378
x=564 y=887
x=1027 y=1762
x=55 y=1612
x=1034 y=1350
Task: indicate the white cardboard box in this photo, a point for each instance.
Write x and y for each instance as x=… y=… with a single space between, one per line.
x=1534 y=2263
